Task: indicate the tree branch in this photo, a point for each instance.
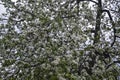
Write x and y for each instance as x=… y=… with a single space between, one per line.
x=113 y=25
x=114 y=62
x=98 y=23
x=117 y=36
x=94 y=2
x=87 y=0
x=108 y=12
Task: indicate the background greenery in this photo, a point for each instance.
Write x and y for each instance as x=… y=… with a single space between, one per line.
x=60 y=40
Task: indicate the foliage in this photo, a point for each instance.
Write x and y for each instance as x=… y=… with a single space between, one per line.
x=60 y=40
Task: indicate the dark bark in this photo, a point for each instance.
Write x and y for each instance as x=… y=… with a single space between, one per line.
x=98 y=22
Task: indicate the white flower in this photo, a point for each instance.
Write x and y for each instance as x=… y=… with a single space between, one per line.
x=56 y=61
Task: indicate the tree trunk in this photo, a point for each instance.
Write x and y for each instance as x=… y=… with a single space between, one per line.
x=98 y=22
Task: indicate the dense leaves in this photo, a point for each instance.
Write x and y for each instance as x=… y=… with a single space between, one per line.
x=60 y=40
